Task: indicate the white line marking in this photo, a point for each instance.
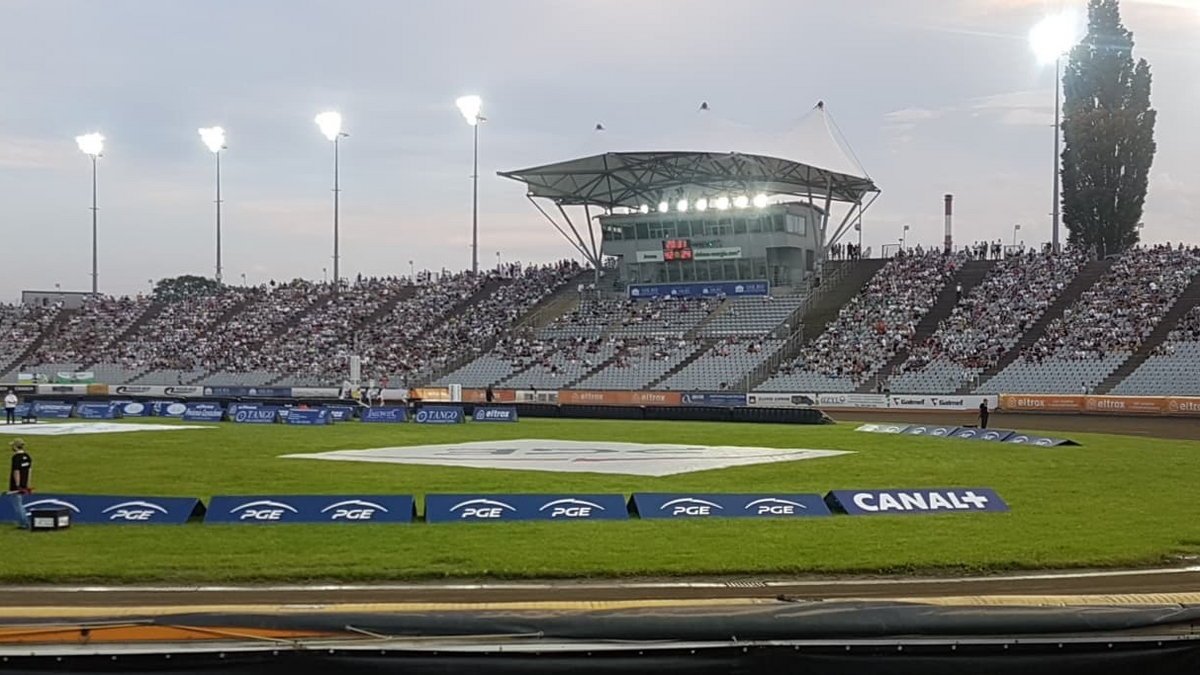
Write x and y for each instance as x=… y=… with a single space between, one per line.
x=1049 y=576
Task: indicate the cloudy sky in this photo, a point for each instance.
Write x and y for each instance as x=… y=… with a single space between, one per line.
x=935 y=96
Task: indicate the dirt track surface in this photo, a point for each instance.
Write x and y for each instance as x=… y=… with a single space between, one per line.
x=1182 y=580
x=1152 y=427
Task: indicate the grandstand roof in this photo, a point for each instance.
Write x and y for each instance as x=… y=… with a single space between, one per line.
x=631 y=179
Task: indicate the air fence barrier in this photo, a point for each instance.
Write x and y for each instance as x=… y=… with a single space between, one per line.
x=350 y=509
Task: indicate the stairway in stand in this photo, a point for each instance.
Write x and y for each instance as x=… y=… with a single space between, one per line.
x=1087 y=277
x=969 y=276
x=1187 y=300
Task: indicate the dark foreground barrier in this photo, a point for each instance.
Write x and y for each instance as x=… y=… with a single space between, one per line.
x=825 y=638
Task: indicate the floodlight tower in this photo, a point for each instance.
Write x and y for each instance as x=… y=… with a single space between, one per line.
x=470 y=107
x=330 y=124
x=1051 y=39
x=214 y=139
x=93 y=145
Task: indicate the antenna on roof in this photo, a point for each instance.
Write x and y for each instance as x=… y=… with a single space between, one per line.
x=599 y=127
x=704 y=105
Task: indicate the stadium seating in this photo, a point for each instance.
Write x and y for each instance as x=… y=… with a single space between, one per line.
x=872 y=328
x=494 y=329
x=752 y=316
x=987 y=323
x=1174 y=368
x=1104 y=327
x=722 y=366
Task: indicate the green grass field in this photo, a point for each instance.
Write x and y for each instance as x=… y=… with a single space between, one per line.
x=1115 y=501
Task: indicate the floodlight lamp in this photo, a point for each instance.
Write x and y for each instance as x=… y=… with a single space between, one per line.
x=681 y=205
x=470 y=106
x=760 y=201
x=663 y=207
x=214 y=138
x=330 y=124
x=722 y=203
x=702 y=204
x=644 y=209
x=741 y=201
x=1055 y=35
x=91 y=144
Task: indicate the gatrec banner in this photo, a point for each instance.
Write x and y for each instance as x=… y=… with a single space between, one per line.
x=97 y=411
x=686 y=505
x=94 y=510
x=200 y=412
x=394 y=414
x=266 y=509
x=493 y=508
x=53 y=410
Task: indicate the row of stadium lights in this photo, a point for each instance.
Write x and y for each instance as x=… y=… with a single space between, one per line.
x=759 y=201
x=1050 y=39
x=330 y=124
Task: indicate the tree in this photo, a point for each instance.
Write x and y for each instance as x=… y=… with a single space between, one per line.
x=186 y=286
x=1108 y=127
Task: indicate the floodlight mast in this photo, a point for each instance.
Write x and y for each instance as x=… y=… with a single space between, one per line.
x=93 y=145
x=470 y=107
x=214 y=140
x=1051 y=39
x=330 y=124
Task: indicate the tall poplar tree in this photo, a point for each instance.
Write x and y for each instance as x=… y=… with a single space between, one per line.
x=1108 y=128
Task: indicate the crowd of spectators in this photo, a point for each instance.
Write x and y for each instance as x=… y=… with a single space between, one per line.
x=881 y=319
x=996 y=313
x=1121 y=310
x=20 y=326
x=86 y=336
x=181 y=334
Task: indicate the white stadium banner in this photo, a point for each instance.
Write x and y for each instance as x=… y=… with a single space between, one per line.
x=852 y=400
x=940 y=402
x=777 y=400
x=530 y=396
x=315 y=392
x=726 y=253
x=73 y=389
x=161 y=391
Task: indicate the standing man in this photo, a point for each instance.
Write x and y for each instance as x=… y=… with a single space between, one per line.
x=18 y=481
x=983 y=414
x=488 y=394
x=10 y=407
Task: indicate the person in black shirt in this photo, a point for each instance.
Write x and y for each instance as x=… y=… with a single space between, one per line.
x=22 y=464
x=983 y=414
x=18 y=480
x=488 y=394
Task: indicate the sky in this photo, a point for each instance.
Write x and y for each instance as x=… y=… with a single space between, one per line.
x=933 y=96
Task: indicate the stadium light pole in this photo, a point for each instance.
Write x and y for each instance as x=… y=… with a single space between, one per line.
x=1051 y=39
x=330 y=124
x=904 y=239
x=214 y=139
x=93 y=145
x=1016 y=229
x=470 y=106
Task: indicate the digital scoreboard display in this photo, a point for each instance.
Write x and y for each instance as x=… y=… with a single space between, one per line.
x=677 y=249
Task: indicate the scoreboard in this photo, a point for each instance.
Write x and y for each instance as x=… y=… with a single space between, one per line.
x=677 y=249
